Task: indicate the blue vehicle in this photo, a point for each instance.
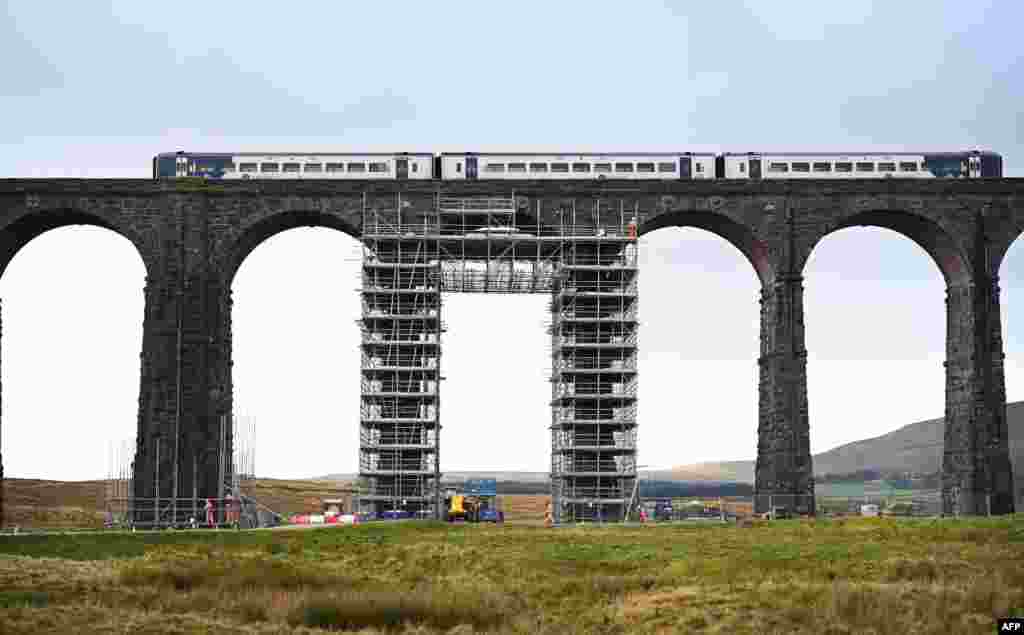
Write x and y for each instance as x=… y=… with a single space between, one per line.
x=491 y=515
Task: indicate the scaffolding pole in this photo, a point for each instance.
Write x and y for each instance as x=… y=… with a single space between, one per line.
x=594 y=377
x=400 y=286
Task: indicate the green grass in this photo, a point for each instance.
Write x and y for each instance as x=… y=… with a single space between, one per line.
x=857 y=575
x=15 y=599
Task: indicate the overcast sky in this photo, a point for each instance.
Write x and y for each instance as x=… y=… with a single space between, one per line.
x=96 y=89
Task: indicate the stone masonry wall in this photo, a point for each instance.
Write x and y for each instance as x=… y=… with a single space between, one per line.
x=192 y=236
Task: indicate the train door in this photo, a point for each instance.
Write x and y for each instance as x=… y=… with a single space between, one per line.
x=471 y=168
x=402 y=169
x=755 y=168
x=974 y=167
x=685 y=168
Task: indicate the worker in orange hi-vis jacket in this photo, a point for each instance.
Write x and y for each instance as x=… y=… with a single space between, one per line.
x=229 y=507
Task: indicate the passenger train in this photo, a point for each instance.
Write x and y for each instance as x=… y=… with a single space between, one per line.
x=475 y=166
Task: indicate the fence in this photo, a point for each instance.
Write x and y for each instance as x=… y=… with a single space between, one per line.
x=151 y=513
x=914 y=503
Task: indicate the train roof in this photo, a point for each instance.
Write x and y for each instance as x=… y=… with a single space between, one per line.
x=860 y=153
x=577 y=154
x=295 y=154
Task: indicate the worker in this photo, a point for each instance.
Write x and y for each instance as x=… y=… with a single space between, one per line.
x=209 y=512
x=643 y=515
x=549 y=519
x=229 y=508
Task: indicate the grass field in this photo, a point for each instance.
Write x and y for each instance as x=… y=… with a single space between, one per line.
x=840 y=576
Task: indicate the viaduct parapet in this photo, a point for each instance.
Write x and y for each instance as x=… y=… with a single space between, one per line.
x=193 y=235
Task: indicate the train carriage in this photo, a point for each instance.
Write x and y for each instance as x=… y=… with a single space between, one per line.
x=283 y=165
x=902 y=165
x=521 y=166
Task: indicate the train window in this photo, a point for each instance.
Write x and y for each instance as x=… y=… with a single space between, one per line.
x=843 y=166
x=778 y=167
x=822 y=167
x=291 y=167
x=357 y=167
x=699 y=167
x=335 y=167
x=666 y=167
x=602 y=167
x=623 y=167
x=247 y=167
x=517 y=167
x=743 y=167
x=645 y=167
x=801 y=167
x=268 y=167
x=494 y=167
x=908 y=166
x=924 y=166
x=229 y=167
x=379 y=167
x=865 y=167
x=560 y=167
x=886 y=167
x=314 y=167
x=538 y=167
x=581 y=167
x=414 y=166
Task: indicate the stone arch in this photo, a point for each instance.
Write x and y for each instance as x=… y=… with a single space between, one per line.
x=1002 y=241
x=737 y=310
x=254 y=235
x=230 y=256
x=21 y=225
x=945 y=251
x=29 y=224
x=737 y=234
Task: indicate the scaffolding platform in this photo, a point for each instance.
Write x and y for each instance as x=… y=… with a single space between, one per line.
x=415 y=250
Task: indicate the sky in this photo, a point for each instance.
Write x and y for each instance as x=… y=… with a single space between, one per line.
x=96 y=89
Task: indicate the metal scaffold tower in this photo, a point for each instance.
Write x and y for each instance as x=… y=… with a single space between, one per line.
x=415 y=250
x=399 y=438
x=594 y=375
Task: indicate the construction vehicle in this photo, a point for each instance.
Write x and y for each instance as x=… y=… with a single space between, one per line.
x=477 y=503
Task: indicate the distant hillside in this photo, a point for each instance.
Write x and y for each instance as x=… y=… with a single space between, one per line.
x=916 y=447
x=913 y=448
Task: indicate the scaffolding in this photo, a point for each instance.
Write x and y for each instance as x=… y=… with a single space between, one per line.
x=123 y=509
x=489 y=245
x=400 y=367
x=594 y=371
x=413 y=250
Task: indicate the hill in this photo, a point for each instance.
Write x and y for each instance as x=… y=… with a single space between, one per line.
x=916 y=447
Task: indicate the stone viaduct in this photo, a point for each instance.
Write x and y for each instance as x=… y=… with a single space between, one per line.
x=192 y=237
